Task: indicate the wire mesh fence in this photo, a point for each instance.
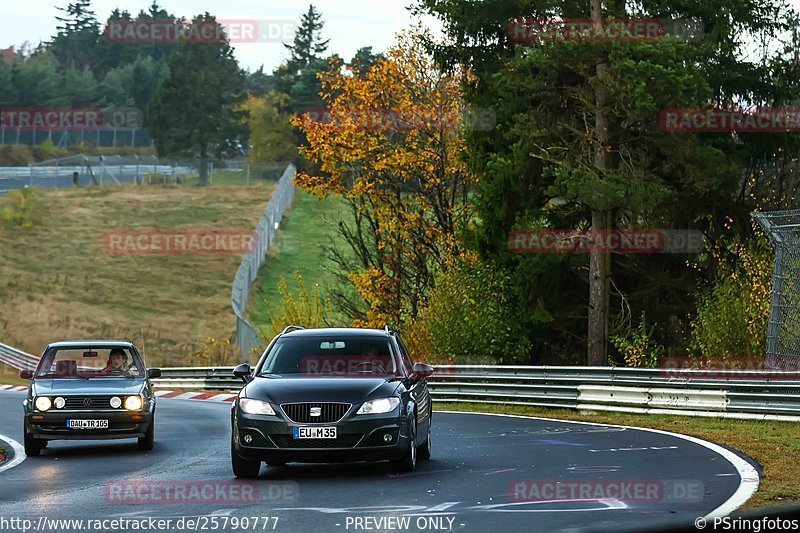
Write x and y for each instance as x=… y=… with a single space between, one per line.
x=783 y=328
x=81 y=170
x=106 y=137
x=247 y=336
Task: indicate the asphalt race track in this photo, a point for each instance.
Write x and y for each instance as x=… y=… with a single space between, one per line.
x=468 y=485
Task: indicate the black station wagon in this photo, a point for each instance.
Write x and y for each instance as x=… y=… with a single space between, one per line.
x=332 y=395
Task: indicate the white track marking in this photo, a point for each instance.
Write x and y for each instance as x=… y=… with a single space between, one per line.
x=19 y=453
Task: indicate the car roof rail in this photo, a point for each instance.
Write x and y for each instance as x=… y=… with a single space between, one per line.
x=287 y=329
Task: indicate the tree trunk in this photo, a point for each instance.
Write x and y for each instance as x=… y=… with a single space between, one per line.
x=599 y=260
x=599 y=271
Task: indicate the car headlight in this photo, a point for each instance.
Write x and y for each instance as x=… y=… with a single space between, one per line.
x=59 y=402
x=133 y=403
x=256 y=407
x=384 y=405
x=43 y=403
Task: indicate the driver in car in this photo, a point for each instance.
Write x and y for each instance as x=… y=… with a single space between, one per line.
x=116 y=361
x=372 y=361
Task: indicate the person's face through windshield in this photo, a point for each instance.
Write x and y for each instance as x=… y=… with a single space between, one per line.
x=116 y=361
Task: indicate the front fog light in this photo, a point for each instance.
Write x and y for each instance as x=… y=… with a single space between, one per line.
x=247 y=439
x=133 y=403
x=43 y=403
x=59 y=402
x=387 y=437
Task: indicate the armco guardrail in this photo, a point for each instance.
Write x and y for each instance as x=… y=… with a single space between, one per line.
x=740 y=394
x=17 y=358
x=731 y=394
x=208 y=378
x=247 y=337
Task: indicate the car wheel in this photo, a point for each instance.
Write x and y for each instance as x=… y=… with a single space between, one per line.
x=424 y=452
x=33 y=447
x=146 y=442
x=243 y=468
x=408 y=462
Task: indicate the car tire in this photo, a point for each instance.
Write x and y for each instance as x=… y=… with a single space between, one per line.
x=408 y=462
x=146 y=443
x=424 y=452
x=243 y=468
x=33 y=447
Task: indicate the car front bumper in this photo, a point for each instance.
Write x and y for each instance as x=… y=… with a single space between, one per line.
x=359 y=438
x=52 y=425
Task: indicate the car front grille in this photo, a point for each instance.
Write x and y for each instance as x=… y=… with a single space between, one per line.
x=329 y=412
x=94 y=402
x=342 y=441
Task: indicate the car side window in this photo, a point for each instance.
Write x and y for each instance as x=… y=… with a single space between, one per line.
x=407 y=362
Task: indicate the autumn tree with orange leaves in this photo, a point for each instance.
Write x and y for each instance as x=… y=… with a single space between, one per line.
x=390 y=144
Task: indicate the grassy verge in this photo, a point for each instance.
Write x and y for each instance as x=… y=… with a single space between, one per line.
x=260 y=172
x=230 y=177
x=775 y=445
x=58 y=281
x=10 y=376
x=308 y=227
x=223 y=178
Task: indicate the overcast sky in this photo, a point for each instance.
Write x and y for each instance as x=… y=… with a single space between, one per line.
x=349 y=24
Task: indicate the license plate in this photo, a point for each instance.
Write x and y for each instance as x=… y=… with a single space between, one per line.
x=86 y=424
x=305 y=432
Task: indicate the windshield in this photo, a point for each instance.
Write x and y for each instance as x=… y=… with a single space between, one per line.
x=331 y=356
x=90 y=362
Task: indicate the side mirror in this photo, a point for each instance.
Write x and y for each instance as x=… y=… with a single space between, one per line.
x=26 y=374
x=243 y=372
x=153 y=372
x=421 y=371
